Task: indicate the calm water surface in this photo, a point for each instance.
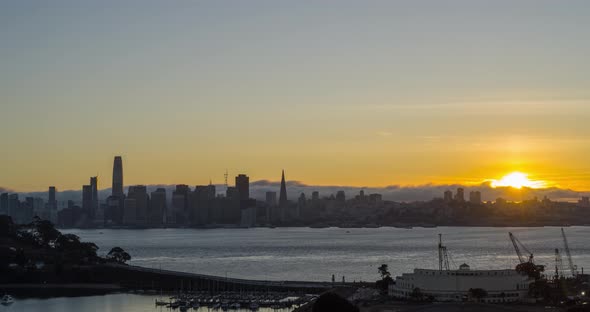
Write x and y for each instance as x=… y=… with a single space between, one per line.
x=109 y=303
x=316 y=254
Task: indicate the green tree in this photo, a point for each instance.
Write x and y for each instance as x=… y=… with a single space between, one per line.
x=119 y=255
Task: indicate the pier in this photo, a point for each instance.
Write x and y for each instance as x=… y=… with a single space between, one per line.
x=141 y=278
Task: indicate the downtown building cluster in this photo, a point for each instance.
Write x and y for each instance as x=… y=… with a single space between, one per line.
x=184 y=206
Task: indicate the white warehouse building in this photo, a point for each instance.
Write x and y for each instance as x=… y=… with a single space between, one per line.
x=455 y=285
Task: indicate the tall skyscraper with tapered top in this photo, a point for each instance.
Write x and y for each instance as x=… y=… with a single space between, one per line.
x=283 y=203
x=117 y=188
x=283 y=194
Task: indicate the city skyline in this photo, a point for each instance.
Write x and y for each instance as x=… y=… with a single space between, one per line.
x=515 y=186
x=461 y=92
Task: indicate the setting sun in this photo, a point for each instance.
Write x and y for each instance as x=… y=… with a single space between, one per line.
x=517 y=180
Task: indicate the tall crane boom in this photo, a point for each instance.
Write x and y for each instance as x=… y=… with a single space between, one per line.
x=517 y=246
x=568 y=254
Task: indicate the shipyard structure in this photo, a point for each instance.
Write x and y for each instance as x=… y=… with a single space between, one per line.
x=446 y=285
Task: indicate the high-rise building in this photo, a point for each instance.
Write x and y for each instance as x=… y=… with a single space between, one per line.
x=283 y=193
x=202 y=204
x=157 y=211
x=139 y=193
x=448 y=197
x=94 y=186
x=130 y=211
x=283 y=201
x=271 y=199
x=243 y=186
x=117 y=187
x=460 y=196
x=341 y=196
x=4 y=204
x=52 y=198
x=475 y=197
x=315 y=196
x=87 y=198
x=271 y=206
x=180 y=205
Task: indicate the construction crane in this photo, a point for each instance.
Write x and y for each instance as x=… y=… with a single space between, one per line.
x=443 y=256
x=570 y=263
x=518 y=246
x=558 y=264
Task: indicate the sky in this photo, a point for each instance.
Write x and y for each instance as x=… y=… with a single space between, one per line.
x=347 y=93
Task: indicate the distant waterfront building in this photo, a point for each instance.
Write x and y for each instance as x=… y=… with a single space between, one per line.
x=376 y=199
x=271 y=198
x=243 y=186
x=13 y=207
x=87 y=198
x=271 y=204
x=52 y=201
x=448 y=196
x=201 y=205
x=315 y=196
x=139 y=193
x=341 y=196
x=117 y=187
x=584 y=202
x=180 y=205
x=94 y=185
x=130 y=211
x=4 y=204
x=301 y=205
x=157 y=211
x=475 y=197
x=460 y=196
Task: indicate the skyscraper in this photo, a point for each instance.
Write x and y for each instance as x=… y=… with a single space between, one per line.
x=283 y=193
x=139 y=193
x=243 y=186
x=157 y=211
x=283 y=202
x=460 y=196
x=94 y=187
x=52 y=200
x=87 y=198
x=117 y=187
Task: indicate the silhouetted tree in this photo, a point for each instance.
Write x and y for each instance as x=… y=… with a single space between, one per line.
x=119 y=255
x=385 y=280
x=384 y=271
x=44 y=231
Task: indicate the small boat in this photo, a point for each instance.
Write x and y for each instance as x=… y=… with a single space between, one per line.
x=254 y=306
x=7 y=300
x=183 y=308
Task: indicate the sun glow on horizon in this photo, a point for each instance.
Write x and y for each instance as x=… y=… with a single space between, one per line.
x=517 y=180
